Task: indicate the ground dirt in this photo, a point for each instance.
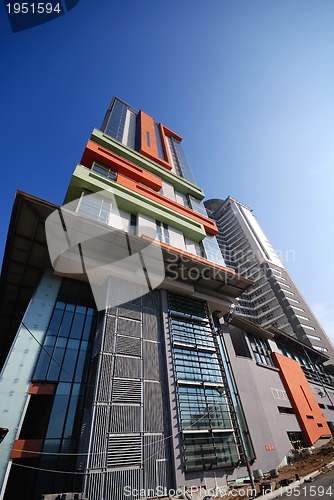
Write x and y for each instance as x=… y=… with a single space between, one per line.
x=301 y=467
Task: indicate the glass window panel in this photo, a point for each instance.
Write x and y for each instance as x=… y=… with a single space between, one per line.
x=88 y=324
x=105 y=171
x=44 y=359
x=80 y=364
x=75 y=396
x=58 y=414
x=70 y=359
x=57 y=358
x=78 y=323
x=56 y=320
x=66 y=324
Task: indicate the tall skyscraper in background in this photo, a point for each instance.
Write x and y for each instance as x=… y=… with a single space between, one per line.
x=274 y=301
x=113 y=398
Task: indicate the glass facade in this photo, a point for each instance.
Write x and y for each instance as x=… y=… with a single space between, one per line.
x=180 y=160
x=212 y=250
x=161 y=153
x=261 y=350
x=133 y=224
x=96 y=207
x=207 y=428
x=103 y=170
x=116 y=123
x=162 y=232
x=64 y=360
x=244 y=431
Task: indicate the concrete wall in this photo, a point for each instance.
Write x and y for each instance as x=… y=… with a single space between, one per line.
x=262 y=392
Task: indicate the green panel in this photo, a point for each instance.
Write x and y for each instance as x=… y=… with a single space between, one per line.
x=180 y=184
x=128 y=200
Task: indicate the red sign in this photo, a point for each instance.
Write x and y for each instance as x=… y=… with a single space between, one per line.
x=269 y=447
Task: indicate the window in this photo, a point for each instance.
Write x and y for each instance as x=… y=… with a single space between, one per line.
x=95 y=206
x=320 y=348
x=261 y=350
x=293 y=300
x=180 y=160
x=162 y=232
x=148 y=139
x=133 y=224
x=206 y=422
x=296 y=440
x=64 y=362
x=161 y=153
x=297 y=308
x=240 y=344
x=200 y=249
x=308 y=327
x=286 y=410
x=275 y=271
x=313 y=337
x=302 y=317
x=105 y=171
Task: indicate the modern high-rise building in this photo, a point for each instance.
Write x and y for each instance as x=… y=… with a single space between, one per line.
x=126 y=372
x=274 y=301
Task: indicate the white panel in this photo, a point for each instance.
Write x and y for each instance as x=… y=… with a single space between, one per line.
x=168 y=190
x=261 y=237
x=176 y=238
x=181 y=198
x=129 y=133
x=125 y=218
x=146 y=226
x=273 y=346
x=191 y=246
x=261 y=247
x=120 y=221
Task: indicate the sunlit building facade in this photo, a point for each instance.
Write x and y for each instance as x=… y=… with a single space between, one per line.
x=125 y=394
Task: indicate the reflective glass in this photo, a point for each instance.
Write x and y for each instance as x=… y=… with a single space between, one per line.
x=200 y=407
x=58 y=414
x=78 y=323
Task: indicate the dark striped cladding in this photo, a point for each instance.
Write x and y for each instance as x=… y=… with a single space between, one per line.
x=129 y=427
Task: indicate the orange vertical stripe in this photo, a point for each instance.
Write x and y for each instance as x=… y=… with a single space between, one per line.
x=309 y=414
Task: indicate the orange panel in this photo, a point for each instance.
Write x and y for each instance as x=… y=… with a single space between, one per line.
x=148 y=142
x=22 y=448
x=209 y=225
x=42 y=388
x=94 y=152
x=170 y=133
x=309 y=414
x=126 y=182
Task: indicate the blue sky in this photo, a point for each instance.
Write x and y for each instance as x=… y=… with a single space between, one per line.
x=248 y=83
